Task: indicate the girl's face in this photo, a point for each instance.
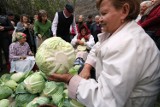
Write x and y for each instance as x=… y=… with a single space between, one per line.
x=83 y=32
x=25 y=19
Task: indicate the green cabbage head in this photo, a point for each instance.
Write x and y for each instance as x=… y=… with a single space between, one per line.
x=34 y=83
x=50 y=88
x=55 y=55
x=4 y=103
x=17 y=76
x=36 y=102
x=5 y=92
x=75 y=103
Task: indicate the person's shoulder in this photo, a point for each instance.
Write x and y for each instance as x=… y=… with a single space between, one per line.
x=19 y=23
x=90 y=35
x=36 y=22
x=13 y=44
x=26 y=44
x=94 y=23
x=59 y=12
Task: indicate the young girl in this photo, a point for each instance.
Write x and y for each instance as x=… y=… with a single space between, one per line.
x=83 y=42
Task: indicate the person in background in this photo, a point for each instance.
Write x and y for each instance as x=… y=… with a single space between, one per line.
x=42 y=27
x=5 y=27
x=150 y=21
x=16 y=19
x=24 y=26
x=19 y=50
x=89 y=21
x=126 y=60
x=96 y=28
x=143 y=7
x=81 y=23
x=62 y=22
x=11 y=18
x=35 y=17
x=83 y=38
x=83 y=42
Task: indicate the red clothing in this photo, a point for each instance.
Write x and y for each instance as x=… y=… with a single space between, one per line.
x=79 y=25
x=86 y=37
x=152 y=21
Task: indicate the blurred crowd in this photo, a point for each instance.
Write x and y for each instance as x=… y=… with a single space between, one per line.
x=82 y=32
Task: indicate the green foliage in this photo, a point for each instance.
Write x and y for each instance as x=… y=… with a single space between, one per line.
x=33 y=6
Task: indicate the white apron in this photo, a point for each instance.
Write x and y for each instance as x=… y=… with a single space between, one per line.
x=23 y=65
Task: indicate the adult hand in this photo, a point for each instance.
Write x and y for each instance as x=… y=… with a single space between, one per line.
x=85 y=73
x=30 y=53
x=60 y=77
x=39 y=36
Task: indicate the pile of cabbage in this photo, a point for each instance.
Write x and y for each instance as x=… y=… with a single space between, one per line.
x=32 y=89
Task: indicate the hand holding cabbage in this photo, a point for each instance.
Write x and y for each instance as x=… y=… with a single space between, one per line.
x=60 y=77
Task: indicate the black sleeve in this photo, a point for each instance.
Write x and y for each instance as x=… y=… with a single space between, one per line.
x=8 y=26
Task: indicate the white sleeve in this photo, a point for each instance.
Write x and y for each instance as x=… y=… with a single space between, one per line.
x=91 y=58
x=117 y=78
x=54 y=24
x=74 y=40
x=74 y=26
x=90 y=43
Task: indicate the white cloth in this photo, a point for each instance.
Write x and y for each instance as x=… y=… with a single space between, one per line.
x=23 y=65
x=138 y=18
x=127 y=70
x=55 y=23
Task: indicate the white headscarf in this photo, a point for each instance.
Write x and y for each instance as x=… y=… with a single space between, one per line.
x=154 y=4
